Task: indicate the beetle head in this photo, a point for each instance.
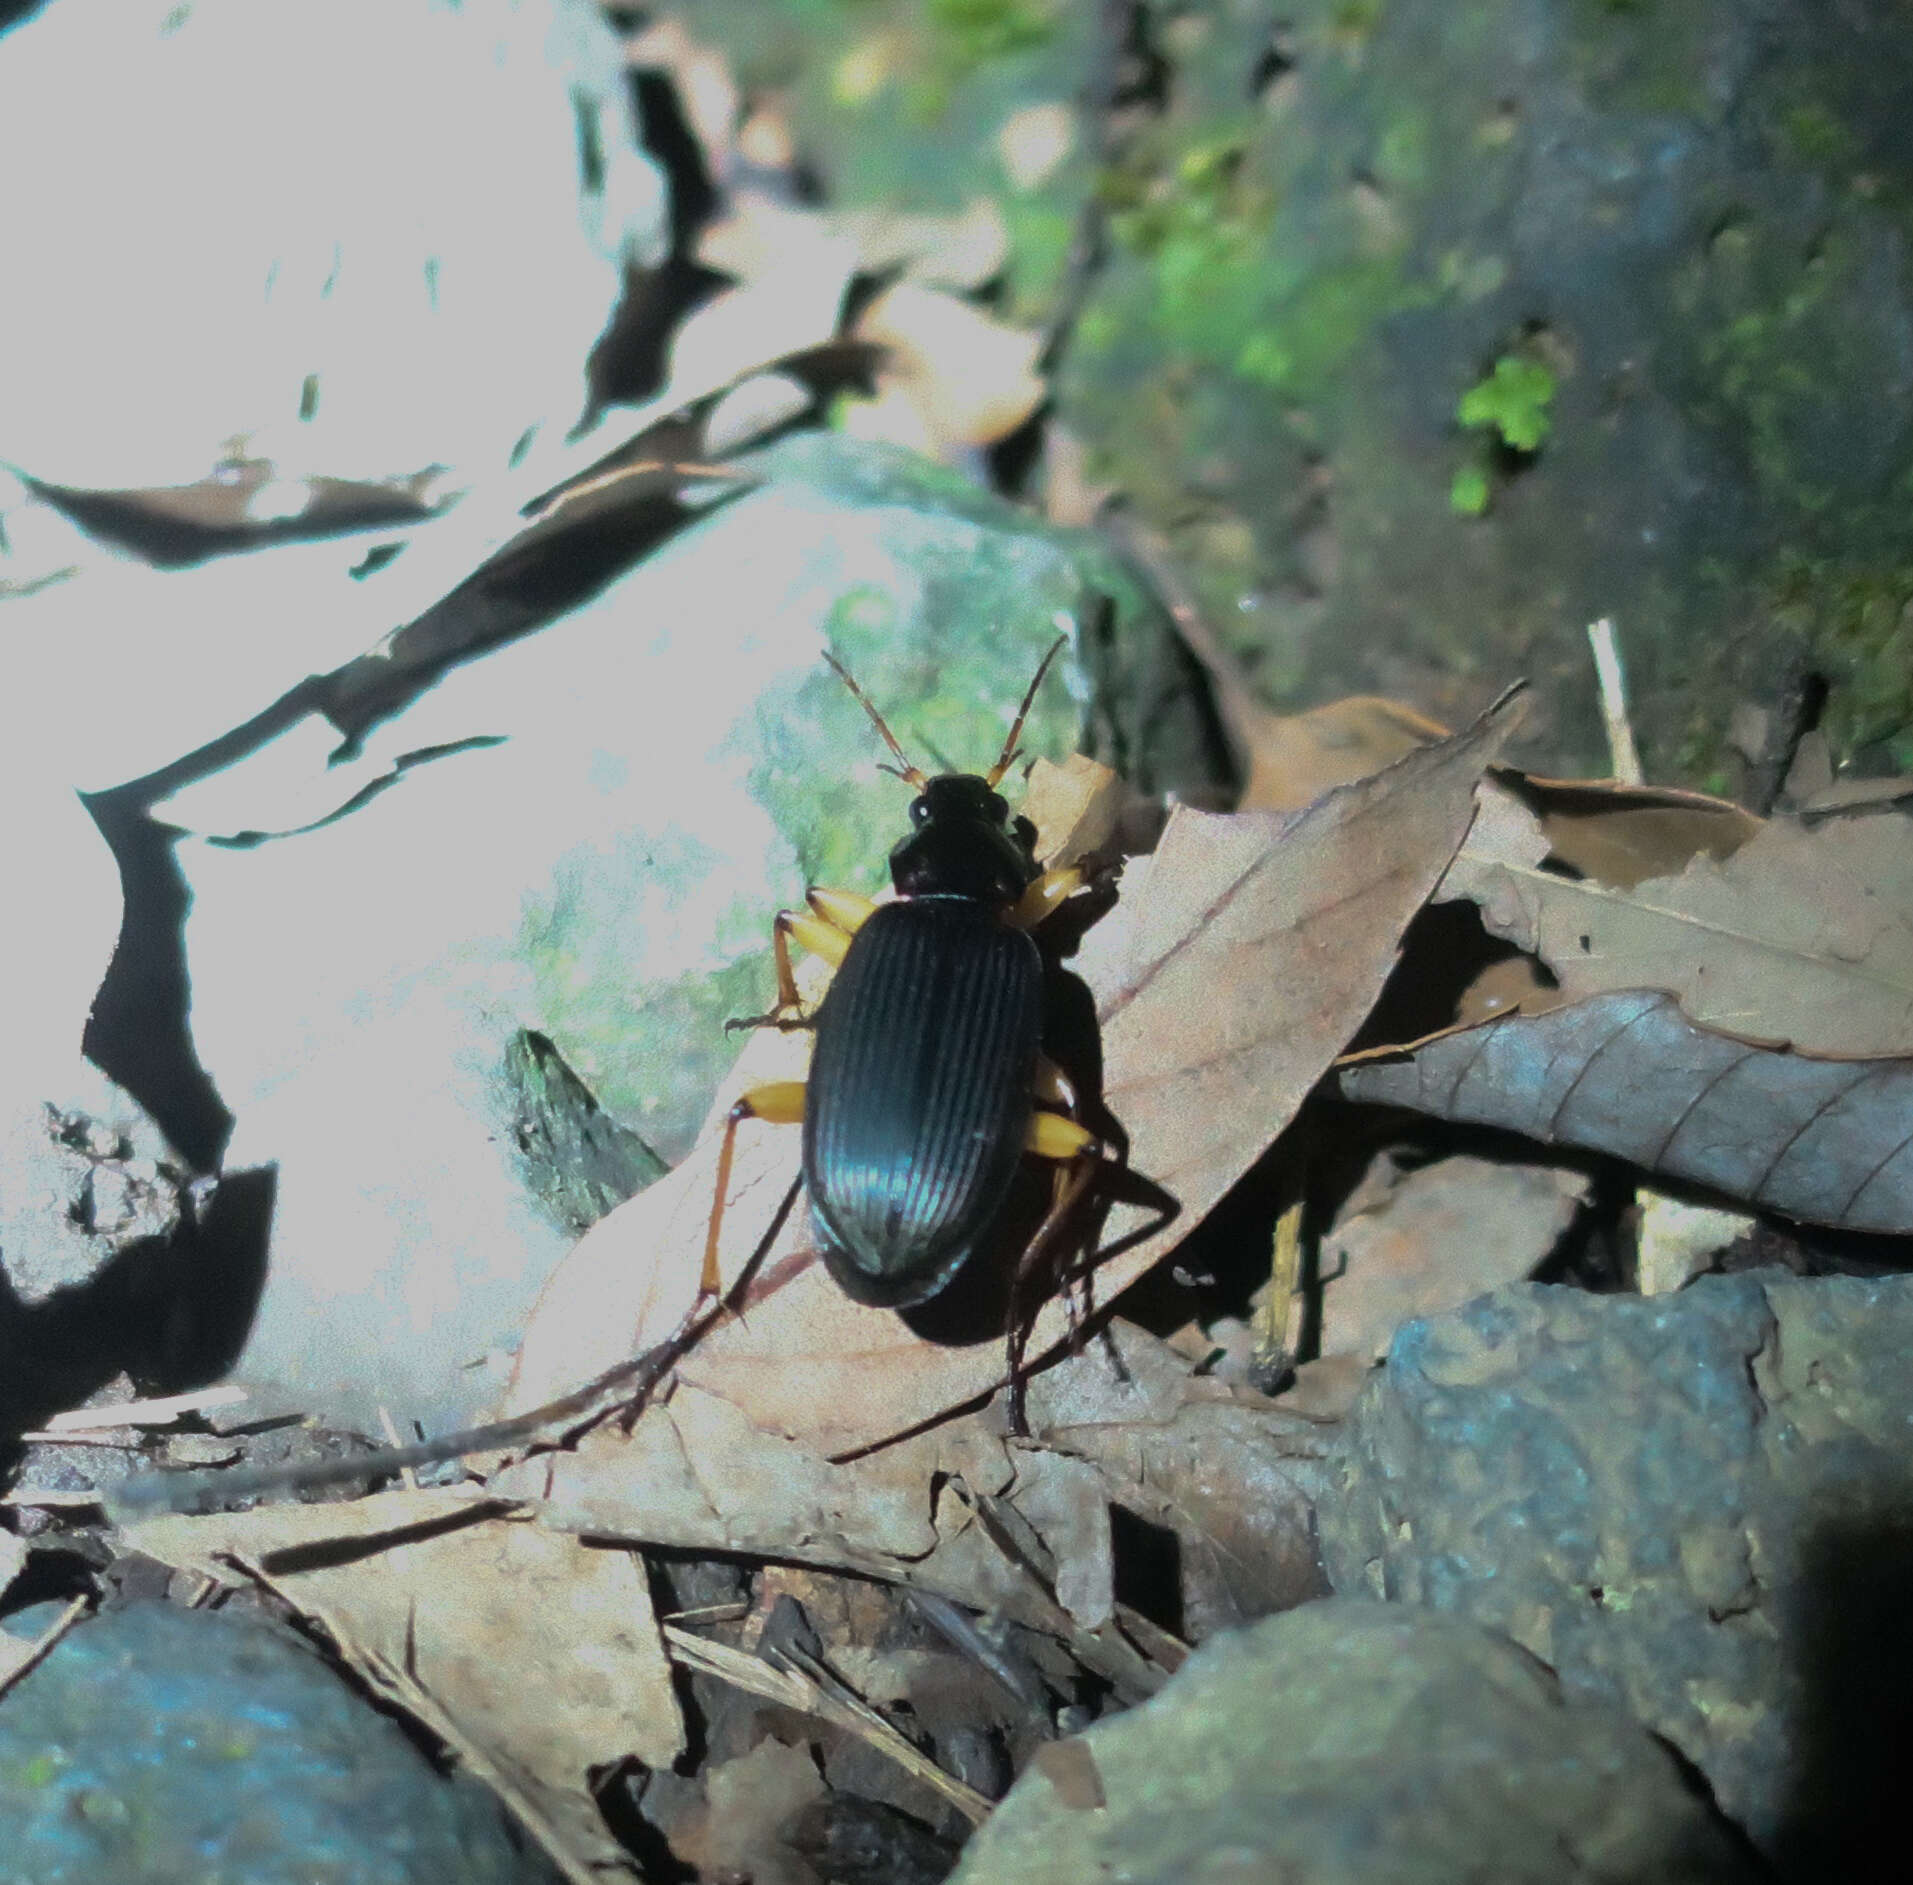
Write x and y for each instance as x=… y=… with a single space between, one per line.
x=962 y=844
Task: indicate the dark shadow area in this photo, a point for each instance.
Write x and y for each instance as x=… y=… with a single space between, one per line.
x=1853 y=1637
x=1326 y=1151
x=52 y=1574
x=1216 y=1269
x=628 y=363
x=171 y=1313
x=139 y=1032
x=620 y=1794
x=16 y=12
x=1016 y=460
x=1443 y=952
x=1814 y=1250
x=175 y=529
x=1148 y=1563
x=667 y=137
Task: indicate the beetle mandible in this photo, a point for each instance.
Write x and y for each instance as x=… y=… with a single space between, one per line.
x=928 y=1064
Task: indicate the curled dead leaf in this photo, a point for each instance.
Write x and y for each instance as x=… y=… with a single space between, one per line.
x=1628 y=1074
x=1774 y=933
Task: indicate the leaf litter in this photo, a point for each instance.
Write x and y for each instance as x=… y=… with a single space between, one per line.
x=1239 y=959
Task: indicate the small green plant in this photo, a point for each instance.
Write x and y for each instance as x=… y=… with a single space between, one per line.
x=1510 y=405
x=1512 y=401
x=1468 y=494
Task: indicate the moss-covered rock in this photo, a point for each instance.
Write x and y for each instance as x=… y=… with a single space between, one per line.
x=1688 y=220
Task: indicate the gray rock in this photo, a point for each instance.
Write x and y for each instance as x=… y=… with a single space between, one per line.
x=84 y=1175
x=1698 y=232
x=1700 y=1506
x=1370 y=1744
x=64 y=895
x=157 y=1746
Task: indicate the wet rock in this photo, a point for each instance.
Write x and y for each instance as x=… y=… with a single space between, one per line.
x=1354 y=1742
x=1699 y=1506
x=157 y=1746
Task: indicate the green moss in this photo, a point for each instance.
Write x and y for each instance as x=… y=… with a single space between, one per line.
x=1041 y=233
x=1776 y=336
x=1856 y=618
x=1332 y=315
x=1816 y=136
x=1468 y=491
x=1512 y=402
x=974 y=32
x=1263 y=359
x=1353 y=22
x=1220 y=291
x=1402 y=157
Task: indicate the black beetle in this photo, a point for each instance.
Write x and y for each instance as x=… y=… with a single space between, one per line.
x=922 y=1093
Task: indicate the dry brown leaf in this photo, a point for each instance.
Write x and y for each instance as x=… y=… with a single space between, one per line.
x=1622 y=834
x=1230 y=1474
x=1070 y=1768
x=752 y=1801
x=1437 y=1237
x=933 y=1512
x=1677 y=1240
x=1797 y=937
x=761 y=237
x=1295 y=758
x=1035 y=141
x=1826 y=1141
x=1290 y=759
x=1075 y=806
x=1846 y=798
x=971 y=379
x=467 y=1601
x=965 y=250
x=1243 y=956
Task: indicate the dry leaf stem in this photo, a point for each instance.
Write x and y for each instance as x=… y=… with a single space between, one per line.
x=800 y=1690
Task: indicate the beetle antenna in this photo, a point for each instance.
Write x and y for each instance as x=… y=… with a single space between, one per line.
x=910 y=775
x=1008 y=755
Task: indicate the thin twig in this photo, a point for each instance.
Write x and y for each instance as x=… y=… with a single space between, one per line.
x=36 y=1651
x=159 y=1412
x=1624 y=758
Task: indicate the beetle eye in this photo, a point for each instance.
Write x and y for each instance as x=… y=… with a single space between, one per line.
x=919 y=811
x=999 y=808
